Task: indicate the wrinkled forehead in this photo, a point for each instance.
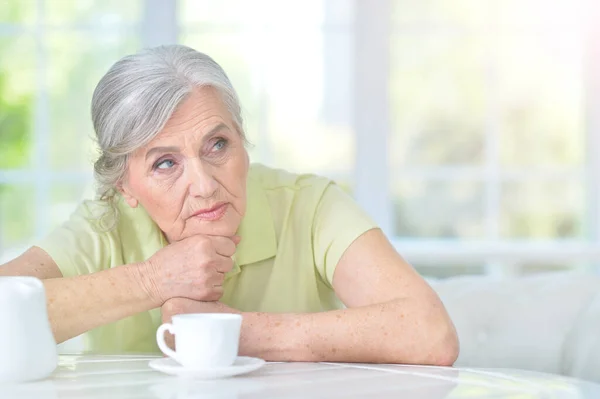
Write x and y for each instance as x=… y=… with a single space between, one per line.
x=202 y=113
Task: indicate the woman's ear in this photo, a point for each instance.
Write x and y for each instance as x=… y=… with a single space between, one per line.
x=127 y=195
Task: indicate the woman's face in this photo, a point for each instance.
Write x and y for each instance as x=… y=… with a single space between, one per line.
x=191 y=178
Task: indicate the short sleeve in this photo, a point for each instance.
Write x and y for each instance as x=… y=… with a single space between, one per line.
x=79 y=246
x=338 y=222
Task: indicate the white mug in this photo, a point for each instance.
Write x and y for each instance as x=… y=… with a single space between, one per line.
x=27 y=347
x=202 y=340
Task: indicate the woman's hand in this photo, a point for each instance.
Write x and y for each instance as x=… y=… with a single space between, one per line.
x=192 y=268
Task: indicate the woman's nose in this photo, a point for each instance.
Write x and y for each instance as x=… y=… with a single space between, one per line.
x=202 y=183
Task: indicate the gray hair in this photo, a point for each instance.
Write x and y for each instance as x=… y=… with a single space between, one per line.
x=136 y=97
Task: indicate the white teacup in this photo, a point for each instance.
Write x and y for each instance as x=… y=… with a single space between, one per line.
x=202 y=339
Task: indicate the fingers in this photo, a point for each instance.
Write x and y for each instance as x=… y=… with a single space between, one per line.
x=195 y=267
x=212 y=289
x=223 y=264
x=224 y=246
x=170 y=340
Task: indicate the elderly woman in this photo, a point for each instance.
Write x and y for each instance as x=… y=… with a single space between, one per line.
x=184 y=224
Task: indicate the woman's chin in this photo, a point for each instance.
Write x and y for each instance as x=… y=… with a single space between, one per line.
x=225 y=227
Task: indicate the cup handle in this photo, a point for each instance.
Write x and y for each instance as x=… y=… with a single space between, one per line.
x=160 y=339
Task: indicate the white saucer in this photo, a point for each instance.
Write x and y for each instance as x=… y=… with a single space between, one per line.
x=241 y=365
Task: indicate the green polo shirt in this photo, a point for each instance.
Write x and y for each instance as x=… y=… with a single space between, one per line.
x=295 y=230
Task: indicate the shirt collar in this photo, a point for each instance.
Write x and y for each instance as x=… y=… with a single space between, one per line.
x=257 y=230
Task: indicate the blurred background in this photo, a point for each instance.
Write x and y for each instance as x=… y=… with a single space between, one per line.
x=469 y=129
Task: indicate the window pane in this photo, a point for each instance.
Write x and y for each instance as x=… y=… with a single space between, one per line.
x=105 y=13
x=227 y=14
x=541 y=100
x=437 y=100
x=18 y=84
x=439 y=209
x=18 y=215
x=542 y=209
x=310 y=130
x=560 y=15
x=64 y=198
x=459 y=12
x=18 y=12
x=75 y=65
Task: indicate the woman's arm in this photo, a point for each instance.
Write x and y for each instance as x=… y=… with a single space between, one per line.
x=81 y=303
x=393 y=316
x=191 y=268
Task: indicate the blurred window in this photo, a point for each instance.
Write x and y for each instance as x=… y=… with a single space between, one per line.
x=469 y=129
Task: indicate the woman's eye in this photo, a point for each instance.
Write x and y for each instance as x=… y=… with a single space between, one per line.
x=166 y=164
x=219 y=145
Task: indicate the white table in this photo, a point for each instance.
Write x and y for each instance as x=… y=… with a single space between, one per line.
x=88 y=377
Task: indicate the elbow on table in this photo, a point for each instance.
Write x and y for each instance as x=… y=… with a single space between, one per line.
x=438 y=352
x=448 y=350
x=439 y=346
x=445 y=347
x=441 y=341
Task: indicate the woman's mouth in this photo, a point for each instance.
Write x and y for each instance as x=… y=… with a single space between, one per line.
x=213 y=213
